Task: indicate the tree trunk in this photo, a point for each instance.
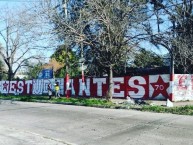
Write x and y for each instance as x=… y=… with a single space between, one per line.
x=10 y=74
x=109 y=94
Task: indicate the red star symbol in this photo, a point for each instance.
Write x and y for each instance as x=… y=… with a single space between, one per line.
x=160 y=87
x=5 y=86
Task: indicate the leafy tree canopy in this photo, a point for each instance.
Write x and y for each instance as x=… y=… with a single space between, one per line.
x=62 y=56
x=147 y=58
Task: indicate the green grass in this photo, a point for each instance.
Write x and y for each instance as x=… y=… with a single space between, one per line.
x=182 y=110
x=81 y=101
x=102 y=103
x=92 y=102
x=27 y=98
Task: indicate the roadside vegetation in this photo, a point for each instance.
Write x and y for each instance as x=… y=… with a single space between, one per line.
x=92 y=102
x=102 y=103
x=182 y=110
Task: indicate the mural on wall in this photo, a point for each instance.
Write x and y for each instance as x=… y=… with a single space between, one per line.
x=159 y=87
x=35 y=87
x=183 y=87
x=145 y=87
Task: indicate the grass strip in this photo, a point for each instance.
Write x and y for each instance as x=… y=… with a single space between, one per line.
x=181 y=110
x=101 y=103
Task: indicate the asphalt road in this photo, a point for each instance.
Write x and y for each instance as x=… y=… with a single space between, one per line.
x=51 y=124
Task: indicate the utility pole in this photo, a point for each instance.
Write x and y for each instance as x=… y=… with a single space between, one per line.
x=172 y=69
x=82 y=68
x=82 y=63
x=67 y=92
x=172 y=64
x=65 y=9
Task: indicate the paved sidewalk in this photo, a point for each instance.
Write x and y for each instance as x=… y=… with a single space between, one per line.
x=181 y=103
x=158 y=102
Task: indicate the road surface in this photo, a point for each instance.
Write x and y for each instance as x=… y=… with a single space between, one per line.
x=23 y=123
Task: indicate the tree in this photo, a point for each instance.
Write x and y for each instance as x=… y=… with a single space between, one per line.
x=110 y=29
x=20 y=40
x=2 y=70
x=32 y=70
x=113 y=38
x=177 y=36
x=60 y=55
x=147 y=59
